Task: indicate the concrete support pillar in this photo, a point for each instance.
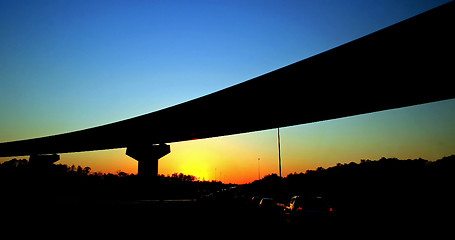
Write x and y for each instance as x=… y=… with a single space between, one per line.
x=39 y=161
x=147 y=157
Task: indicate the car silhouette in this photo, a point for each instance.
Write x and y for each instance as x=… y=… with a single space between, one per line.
x=308 y=207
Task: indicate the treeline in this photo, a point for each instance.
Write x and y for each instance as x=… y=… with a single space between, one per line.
x=22 y=166
x=22 y=180
x=389 y=168
x=387 y=184
x=385 y=187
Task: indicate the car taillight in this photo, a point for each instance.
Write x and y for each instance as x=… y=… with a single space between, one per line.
x=299 y=209
x=330 y=209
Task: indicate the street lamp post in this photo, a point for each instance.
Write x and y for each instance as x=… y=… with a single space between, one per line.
x=259 y=169
x=279 y=151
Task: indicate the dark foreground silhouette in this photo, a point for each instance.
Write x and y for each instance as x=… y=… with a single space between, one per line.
x=385 y=195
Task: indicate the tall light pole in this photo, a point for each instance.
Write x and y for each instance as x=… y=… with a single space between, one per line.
x=279 y=151
x=259 y=169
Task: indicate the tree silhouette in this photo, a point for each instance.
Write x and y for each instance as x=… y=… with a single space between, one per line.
x=86 y=170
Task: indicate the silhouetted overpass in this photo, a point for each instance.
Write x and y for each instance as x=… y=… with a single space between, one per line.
x=405 y=64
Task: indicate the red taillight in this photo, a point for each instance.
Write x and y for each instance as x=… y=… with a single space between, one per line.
x=299 y=209
x=330 y=209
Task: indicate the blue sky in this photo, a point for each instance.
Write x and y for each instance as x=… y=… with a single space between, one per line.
x=69 y=65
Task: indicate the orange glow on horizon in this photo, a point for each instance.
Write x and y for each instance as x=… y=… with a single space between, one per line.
x=230 y=159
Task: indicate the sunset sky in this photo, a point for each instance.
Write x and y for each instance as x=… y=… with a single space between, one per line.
x=71 y=65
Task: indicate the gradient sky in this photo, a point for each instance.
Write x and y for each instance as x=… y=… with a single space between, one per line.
x=70 y=65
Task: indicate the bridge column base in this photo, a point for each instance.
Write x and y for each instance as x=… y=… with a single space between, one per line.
x=43 y=161
x=147 y=157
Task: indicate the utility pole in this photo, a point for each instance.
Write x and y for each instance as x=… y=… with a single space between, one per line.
x=259 y=170
x=279 y=151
